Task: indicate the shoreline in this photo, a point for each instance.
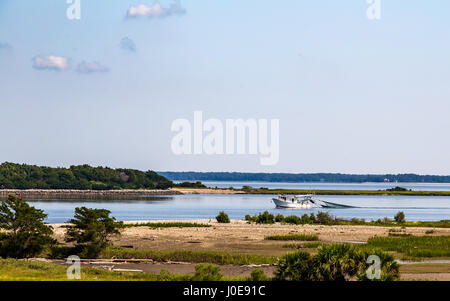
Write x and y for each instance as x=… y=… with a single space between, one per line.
x=74 y=193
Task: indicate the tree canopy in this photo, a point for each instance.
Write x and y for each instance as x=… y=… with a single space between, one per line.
x=84 y=177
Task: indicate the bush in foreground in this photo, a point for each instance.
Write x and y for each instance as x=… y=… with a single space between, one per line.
x=337 y=262
x=258 y=275
x=27 y=234
x=223 y=218
x=207 y=273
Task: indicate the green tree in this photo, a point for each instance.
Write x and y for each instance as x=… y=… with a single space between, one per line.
x=91 y=230
x=27 y=235
x=400 y=217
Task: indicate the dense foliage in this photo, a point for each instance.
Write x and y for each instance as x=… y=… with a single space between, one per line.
x=311 y=177
x=223 y=218
x=262 y=218
x=91 y=229
x=27 y=235
x=400 y=217
x=336 y=262
x=322 y=218
x=196 y=184
x=17 y=176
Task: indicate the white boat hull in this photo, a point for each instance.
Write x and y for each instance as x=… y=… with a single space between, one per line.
x=290 y=205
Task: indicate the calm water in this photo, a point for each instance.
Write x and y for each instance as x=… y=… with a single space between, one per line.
x=332 y=186
x=186 y=207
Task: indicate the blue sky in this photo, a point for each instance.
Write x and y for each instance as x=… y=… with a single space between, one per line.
x=353 y=95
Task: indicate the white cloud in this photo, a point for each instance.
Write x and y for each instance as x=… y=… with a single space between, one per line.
x=127 y=44
x=94 y=67
x=51 y=62
x=155 y=11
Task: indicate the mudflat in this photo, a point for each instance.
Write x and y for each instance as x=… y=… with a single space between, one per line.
x=241 y=237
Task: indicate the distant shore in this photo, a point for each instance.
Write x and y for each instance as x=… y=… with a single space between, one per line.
x=125 y=193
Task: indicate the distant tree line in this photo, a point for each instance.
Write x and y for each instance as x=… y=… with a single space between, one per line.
x=84 y=177
x=302 y=177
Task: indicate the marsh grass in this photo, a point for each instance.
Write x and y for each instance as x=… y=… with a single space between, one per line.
x=346 y=192
x=385 y=223
x=168 y=225
x=296 y=237
x=193 y=256
x=413 y=247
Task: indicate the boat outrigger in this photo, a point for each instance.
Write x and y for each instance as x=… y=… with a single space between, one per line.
x=305 y=201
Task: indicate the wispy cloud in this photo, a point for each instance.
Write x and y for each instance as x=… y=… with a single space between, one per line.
x=94 y=67
x=155 y=11
x=128 y=44
x=5 y=46
x=51 y=62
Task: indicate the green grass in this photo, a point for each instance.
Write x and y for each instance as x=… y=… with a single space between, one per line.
x=412 y=247
x=168 y=225
x=418 y=224
x=23 y=270
x=298 y=237
x=346 y=192
x=192 y=256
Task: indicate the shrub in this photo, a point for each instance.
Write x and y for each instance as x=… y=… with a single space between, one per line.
x=258 y=275
x=400 y=217
x=293 y=219
x=223 y=218
x=265 y=218
x=207 y=273
x=306 y=219
x=387 y=220
x=337 y=262
x=91 y=229
x=279 y=218
x=250 y=218
x=297 y=266
x=324 y=218
x=27 y=234
x=357 y=221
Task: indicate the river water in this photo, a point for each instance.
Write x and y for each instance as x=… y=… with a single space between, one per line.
x=331 y=186
x=190 y=207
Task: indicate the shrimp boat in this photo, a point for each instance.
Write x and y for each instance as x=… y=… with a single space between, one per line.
x=295 y=202
x=306 y=201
